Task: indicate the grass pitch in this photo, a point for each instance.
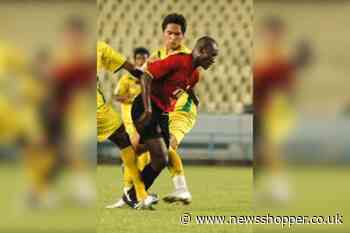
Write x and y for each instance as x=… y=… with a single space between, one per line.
x=216 y=191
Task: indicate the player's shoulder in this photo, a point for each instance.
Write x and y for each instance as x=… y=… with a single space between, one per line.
x=185 y=50
x=104 y=48
x=185 y=57
x=102 y=44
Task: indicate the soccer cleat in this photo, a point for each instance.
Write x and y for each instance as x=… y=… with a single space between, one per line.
x=118 y=204
x=179 y=196
x=148 y=202
x=131 y=203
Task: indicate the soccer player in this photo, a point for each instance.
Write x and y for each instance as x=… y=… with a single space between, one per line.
x=181 y=120
x=69 y=71
x=110 y=126
x=127 y=89
x=164 y=81
x=274 y=87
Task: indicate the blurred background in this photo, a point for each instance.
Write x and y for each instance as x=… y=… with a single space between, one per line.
x=302 y=144
x=223 y=131
x=47 y=147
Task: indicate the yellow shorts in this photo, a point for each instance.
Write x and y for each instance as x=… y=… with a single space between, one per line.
x=180 y=123
x=278 y=120
x=108 y=119
x=10 y=123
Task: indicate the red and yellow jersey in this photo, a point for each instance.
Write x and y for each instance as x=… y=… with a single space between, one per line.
x=273 y=73
x=183 y=104
x=171 y=77
x=274 y=80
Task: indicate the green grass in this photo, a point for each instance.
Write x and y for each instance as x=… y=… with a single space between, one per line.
x=16 y=218
x=216 y=191
x=315 y=191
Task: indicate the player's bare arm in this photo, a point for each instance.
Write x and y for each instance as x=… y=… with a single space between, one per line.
x=193 y=96
x=131 y=68
x=146 y=81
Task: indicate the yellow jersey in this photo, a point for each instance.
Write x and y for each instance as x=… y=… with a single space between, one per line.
x=128 y=87
x=108 y=120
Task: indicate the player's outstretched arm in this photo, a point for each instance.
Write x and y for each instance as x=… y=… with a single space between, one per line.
x=131 y=68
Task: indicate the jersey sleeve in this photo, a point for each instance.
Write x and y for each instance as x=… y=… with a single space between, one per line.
x=108 y=58
x=160 y=68
x=194 y=79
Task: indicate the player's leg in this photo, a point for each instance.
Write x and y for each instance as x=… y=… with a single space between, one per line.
x=134 y=139
x=129 y=158
x=181 y=192
x=180 y=123
x=156 y=138
x=109 y=126
x=143 y=160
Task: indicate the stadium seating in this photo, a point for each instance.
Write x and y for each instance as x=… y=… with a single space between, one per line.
x=226 y=88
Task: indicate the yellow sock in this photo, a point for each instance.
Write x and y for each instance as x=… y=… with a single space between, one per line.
x=143 y=160
x=127 y=178
x=129 y=159
x=175 y=163
x=39 y=163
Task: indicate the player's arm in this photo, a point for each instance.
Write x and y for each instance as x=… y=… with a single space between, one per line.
x=131 y=68
x=193 y=96
x=146 y=85
x=190 y=91
x=111 y=60
x=303 y=55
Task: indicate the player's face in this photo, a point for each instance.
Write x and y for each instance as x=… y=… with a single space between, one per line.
x=173 y=36
x=74 y=38
x=140 y=59
x=273 y=36
x=208 y=56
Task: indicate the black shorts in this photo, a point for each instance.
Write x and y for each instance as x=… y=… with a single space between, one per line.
x=158 y=127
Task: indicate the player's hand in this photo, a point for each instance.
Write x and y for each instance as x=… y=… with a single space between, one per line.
x=135 y=142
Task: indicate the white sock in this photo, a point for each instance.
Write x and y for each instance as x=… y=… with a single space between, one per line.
x=180 y=183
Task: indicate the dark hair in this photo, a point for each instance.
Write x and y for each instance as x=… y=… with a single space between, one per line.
x=141 y=50
x=75 y=23
x=176 y=19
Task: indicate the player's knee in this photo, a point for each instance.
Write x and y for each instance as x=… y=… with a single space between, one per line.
x=160 y=161
x=121 y=139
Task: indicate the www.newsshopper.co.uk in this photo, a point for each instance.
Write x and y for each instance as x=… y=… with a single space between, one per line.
x=189 y=218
